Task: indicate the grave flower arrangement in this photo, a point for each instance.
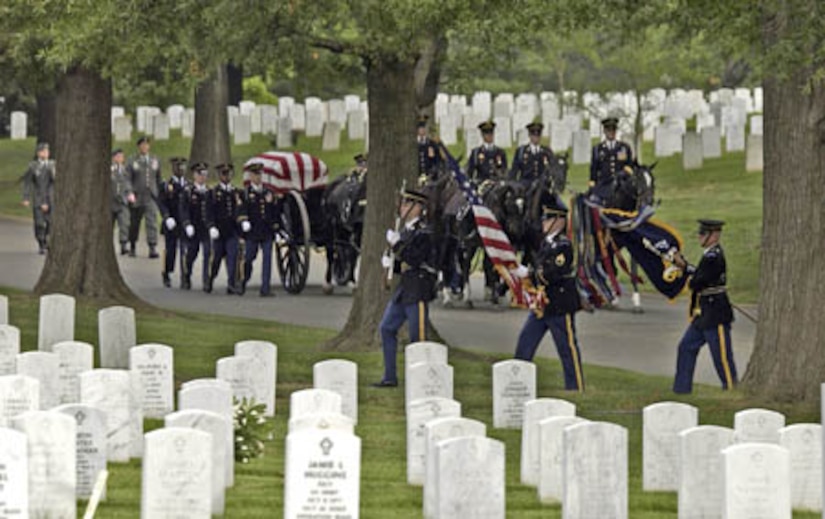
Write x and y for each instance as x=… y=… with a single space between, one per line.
x=251 y=429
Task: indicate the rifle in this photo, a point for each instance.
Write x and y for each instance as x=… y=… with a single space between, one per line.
x=398 y=218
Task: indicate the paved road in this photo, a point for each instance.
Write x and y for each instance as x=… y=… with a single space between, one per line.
x=640 y=342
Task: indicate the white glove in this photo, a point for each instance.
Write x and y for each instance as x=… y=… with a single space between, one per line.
x=214 y=233
x=170 y=223
x=279 y=239
x=521 y=271
x=190 y=230
x=392 y=237
x=386 y=261
x=246 y=226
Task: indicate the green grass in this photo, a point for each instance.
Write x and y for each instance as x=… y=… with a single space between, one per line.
x=722 y=189
x=199 y=340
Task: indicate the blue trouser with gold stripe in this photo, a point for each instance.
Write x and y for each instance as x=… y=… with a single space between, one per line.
x=395 y=314
x=718 y=339
x=563 y=329
x=193 y=247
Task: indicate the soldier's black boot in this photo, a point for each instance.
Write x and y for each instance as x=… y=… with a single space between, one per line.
x=124 y=250
x=132 y=250
x=166 y=281
x=207 y=285
x=153 y=253
x=242 y=290
x=186 y=283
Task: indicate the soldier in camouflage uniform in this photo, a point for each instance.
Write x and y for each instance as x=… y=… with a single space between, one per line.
x=38 y=190
x=144 y=172
x=122 y=196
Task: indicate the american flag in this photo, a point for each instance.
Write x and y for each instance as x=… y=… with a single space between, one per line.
x=495 y=241
x=286 y=170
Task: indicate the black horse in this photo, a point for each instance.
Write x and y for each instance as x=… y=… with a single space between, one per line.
x=343 y=205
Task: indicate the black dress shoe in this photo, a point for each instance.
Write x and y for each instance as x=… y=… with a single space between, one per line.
x=186 y=283
x=133 y=250
x=386 y=383
x=124 y=250
x=166 y=281
x=241 y=291
x=153 y=253
x=267 y=294
x=207 y=286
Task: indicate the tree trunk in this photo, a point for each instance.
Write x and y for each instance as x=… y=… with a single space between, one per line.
x=46 y=115
x=210 y=143
x=392 y=102
x=234 y=75
x=788 y=361
x=428 y=75
x=638 y=128
x=81 y=260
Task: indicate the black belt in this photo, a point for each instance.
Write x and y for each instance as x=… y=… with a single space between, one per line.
x=712 y=291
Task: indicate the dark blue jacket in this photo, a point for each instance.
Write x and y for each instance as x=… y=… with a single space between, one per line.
x=487 y=163
x=557 y=273
x=226 y=206
x=415 y=258
x=709 y=303
x=196 y=210
x=528 y=166
x=261 y=210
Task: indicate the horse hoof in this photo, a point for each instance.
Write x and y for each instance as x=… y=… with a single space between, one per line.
x=469 y=304
x=638 y=310
x=327 y=289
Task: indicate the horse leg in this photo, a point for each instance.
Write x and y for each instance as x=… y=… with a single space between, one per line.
x=327 y=286
x=634 y=275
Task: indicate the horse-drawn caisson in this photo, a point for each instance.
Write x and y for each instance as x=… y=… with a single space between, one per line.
x=313 y=213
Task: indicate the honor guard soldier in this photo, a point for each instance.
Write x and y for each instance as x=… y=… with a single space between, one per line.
x=608 y=160
x=532 y=160
x=144 y=172
x=122 y=197
x=359 y=173
x=710 y=312
x=198 y=221
x=226 y=205
x=38 y=191
x=259 y=219
x=488 y=161
x=428 y=155
x=412 y=255
x=558 y=297
x=171 y=192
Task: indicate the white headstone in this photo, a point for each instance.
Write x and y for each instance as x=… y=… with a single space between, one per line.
x=424 y=351
x=514 y=384
x=561 y=136
x=141 y=113
x=581 y=147
x=215 y=425
x=110 y=390
x=692 y=151
x=153 y=365
x=314 y=401
x=701 y=481
x=711 y=142
x=754 y=156
x=56 y=322
x=664 y=141
x=4 y=310
x=438 y=430
x=323 y=473
x=9 y=349
x=595 y=471
x=187 y=128
x=315 y=122
x=243 y=374
x=337 y=111
x=117 y=111
x=52 y=462
x=470 y=478
x=90 y=444
x=136 y=414
x=352 y=102
x=43 y=367
x=735 y=138
x=116 y=334
x=246 y=107
x=535 y=411
x=447 y=130
x=285 y=104
x=551 y=455
x=231 y=113
x=757 y=425
x=340 y=376
x=284 y=139
x=804 y=444
x=428 y=380
x=757 y=482
x=331 y=421
x=298 y=116
x=177 y=474
x=216 y=396
x=503 y=134
x=256 y=120
x=73 y=359
x=18 y=394
x=356 y=125
x=662 y=423
x=419 y=412
x=331 y=141
x=19 y=123
x=122 y=129
x=266 y=355
x=14 y=473
x=160 y=127
x=269 y=119
x=503 y=106
x=757 y=125
x=243 y=129
x=175 y=114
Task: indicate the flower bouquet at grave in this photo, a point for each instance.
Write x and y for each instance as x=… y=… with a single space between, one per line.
x=251 y=429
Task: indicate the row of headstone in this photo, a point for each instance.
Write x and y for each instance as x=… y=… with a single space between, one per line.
x=251 y=373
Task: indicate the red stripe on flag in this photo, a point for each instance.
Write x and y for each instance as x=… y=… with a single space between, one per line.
x=300 y=162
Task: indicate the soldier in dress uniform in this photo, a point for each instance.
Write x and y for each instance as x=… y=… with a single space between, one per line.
x=144 y=172
x=122 y=197
x=38 y=191
x=488 y=161
x=259 y=222
x=710 y=312
x=198 y=224
x=359 y=173
x=532 y=160
x=226 y=204
x=415 y=256
x=608 y=160
x=555 y=277
x=169 y=203
x=428 y=156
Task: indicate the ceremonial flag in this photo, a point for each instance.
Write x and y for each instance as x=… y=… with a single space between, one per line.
x=496 y=243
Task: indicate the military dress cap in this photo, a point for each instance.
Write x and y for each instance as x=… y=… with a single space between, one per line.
x=116 y=151
x=708 y=225
x=415 y=196
x=42 y=146
x=225 y=168
x=255 y=168
x=487 y=126
x=551 y=206
x=610 y=122
x=200 y=168
x=360 y=158
x=422 y=120
x=143 y=139
x=177 y=160
x=535 y=128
